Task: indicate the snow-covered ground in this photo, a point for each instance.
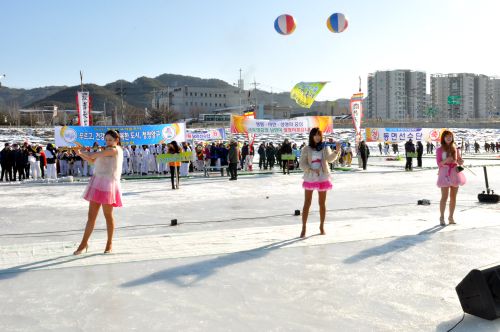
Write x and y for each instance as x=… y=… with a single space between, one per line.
x=234 y=262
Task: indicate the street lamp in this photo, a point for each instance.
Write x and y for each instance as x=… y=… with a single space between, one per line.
x=2 y=76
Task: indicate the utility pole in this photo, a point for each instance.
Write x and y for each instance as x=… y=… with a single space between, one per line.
x=120 y=91
x=121 y=95
x=272 y=102
x=240 y=87
x=154 y=99
x=255 y=84
x=168 y=104
x=105 y=118
x=81 y=80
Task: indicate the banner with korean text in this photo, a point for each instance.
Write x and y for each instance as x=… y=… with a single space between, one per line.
x=357 y=113
x=71 y=136
x=395 y=135
x=300 y=125
x=206 y=135
x=83 y=107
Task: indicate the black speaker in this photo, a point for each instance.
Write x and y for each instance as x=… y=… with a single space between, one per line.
x=479 y=293
x=173 y=222
x=296 y=213
x=488 y=198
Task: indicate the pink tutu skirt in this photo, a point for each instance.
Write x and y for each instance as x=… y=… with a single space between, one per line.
x=324 y=185
x=103 y=191
x=449 y=177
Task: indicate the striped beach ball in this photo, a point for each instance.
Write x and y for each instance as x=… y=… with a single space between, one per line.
x=285 y=24
x=337 y=23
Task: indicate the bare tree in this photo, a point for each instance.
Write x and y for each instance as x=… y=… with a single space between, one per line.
x=136 y=116
x=162 y=115
x=194 y=113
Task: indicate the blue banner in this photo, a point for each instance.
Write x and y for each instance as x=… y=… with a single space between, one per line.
x=129 y=135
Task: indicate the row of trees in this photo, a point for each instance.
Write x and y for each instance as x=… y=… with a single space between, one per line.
x=11 y=116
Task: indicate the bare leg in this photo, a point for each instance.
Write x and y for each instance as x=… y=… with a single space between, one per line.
x=110 y=226
x=442 y=203
x=305 y=210
x=453 y=203
x=89 y=228
x=322 y=211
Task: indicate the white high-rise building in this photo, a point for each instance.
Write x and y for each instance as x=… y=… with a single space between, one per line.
x=396 y=95
x=496 y=97
x=462 y=96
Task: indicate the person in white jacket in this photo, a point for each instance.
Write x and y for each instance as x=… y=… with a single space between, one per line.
x=34 y=161
x=136 y=161
x=152 y=159
x=158 y=165
x=51 y=155
x=126 y=160
x=314 y=160
x=144 y=160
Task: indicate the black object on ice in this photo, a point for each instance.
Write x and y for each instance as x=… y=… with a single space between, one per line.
x=297 y=213
x=487 y=197
x=173 y=222
x=479 y=291
x=423 y=202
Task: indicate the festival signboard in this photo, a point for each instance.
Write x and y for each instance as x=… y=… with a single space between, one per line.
x=206 y=135
x=300 y=125
x=71 y=136
x=395 y=135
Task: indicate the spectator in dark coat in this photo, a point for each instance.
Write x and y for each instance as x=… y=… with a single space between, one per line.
x=244 y=153
x=262 y=156
x=364 y=153
x=409 y=151
x=286 y=148
x=420 y=152
x=233 y=158
x=271 y=155
x=213 y=155
x=7 y=162
x=18 y=167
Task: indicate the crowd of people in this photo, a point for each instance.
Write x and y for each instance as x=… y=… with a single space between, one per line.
x=20 y=162
x=107 y=164
x=31 y=161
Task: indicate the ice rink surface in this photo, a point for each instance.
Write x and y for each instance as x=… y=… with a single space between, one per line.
x=235 y=263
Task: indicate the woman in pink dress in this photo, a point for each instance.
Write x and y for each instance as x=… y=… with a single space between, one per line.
x=314 y=159
x=449 y=176
x=103 y=187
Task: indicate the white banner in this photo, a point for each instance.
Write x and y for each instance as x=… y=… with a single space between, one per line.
x=243 y=125
x=83 y=106
x=206 y=135
x=395 y=135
